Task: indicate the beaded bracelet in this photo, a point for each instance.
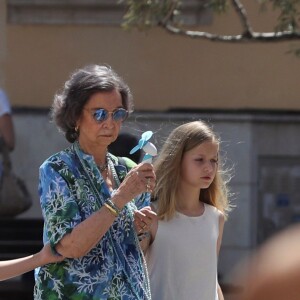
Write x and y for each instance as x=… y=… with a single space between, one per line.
x=111 y=210
x=113 y=205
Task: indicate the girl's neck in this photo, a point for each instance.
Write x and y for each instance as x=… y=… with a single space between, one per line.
x=187 y=201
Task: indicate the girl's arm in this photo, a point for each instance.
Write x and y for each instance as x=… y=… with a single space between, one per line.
x=15 y=267
x=145 y=240
x=220 y=293
x=219 y=242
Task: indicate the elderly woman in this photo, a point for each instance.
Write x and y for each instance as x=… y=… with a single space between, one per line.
x=90 y=198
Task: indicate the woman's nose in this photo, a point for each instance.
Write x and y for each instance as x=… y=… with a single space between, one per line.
x=109 y=122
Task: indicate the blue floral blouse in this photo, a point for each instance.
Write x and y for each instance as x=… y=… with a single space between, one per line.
x=71 y=188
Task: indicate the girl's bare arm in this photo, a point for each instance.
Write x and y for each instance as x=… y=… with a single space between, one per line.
x=15 y=267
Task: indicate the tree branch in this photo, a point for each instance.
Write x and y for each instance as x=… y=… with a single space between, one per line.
x=245 y=37
x=144 y=14
x=248 y=34
x=242 y=13
x=169 y=15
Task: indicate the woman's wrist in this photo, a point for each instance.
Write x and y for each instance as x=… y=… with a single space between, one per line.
x=113 y=206
x=118 y=201
x=113 y=212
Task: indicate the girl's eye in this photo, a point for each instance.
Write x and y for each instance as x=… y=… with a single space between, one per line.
x=215 y=161
x=199 y=159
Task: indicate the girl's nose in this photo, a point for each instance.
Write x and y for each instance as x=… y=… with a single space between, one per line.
x=209 y=167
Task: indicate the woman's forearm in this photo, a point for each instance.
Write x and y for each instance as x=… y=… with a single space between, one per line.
x=86 y=234
x=89 y=232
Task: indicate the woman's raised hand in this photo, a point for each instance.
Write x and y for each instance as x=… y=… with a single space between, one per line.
x=140 y=179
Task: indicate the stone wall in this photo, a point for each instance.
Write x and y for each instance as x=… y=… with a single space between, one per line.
x=246 y=138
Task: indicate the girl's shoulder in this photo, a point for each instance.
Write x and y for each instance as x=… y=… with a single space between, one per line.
x=215 y=211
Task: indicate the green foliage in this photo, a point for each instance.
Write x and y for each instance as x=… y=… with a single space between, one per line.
x=288 y=19
x=144 y=14
x=219 y=6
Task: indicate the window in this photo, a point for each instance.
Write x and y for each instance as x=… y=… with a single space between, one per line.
x=194 y=13
x=103 y=12
x=279 y=194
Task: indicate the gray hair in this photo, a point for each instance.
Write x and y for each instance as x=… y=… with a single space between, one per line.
x=83 y=83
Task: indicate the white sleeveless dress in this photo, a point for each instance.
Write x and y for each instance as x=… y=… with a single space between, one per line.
x=182 y=260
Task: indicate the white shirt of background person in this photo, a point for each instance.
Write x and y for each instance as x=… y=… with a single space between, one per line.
x=4 y=104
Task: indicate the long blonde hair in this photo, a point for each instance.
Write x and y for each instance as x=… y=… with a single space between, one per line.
x=167 y=168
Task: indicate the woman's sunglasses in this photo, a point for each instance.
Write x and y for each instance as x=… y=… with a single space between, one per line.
x=101 y=114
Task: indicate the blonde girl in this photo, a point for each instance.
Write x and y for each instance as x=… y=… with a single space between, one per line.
x=192 y=205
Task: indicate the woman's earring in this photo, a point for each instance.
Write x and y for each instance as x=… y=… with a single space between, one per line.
x=76 y=129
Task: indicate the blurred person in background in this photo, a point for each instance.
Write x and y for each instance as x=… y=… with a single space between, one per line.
x=273 y=272
x=122 y=146
x=7 y=134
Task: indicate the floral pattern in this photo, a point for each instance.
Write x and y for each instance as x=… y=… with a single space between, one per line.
x=71 y=188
